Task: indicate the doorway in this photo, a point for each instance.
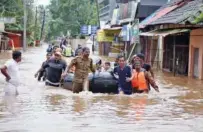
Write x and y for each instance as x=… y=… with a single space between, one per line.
x=196 y=63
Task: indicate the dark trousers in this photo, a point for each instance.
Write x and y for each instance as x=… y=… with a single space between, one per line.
x=48 y=84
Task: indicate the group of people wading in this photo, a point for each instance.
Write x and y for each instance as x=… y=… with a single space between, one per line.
x=135 y=77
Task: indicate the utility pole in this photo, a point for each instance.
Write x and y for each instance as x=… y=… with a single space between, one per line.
x=35 y=36
x=97 y=4
x=42 y=29
x=25 y=23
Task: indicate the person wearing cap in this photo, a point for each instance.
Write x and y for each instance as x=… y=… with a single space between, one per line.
x=82 y=65
x=41 y=72
x=55 y=68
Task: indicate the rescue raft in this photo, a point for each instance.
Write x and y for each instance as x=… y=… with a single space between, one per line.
x=100 y=82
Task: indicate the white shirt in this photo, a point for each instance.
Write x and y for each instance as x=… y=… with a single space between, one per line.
x=13 y=72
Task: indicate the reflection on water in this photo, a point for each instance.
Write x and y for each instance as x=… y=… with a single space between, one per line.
x=178 y=106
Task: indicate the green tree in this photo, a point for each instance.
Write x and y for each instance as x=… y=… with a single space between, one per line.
x=14 y=8
x=71 y=15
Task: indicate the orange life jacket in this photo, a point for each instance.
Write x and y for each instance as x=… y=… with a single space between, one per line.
x=139 y=82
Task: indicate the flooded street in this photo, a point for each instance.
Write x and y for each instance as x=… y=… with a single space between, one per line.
x=178 y=106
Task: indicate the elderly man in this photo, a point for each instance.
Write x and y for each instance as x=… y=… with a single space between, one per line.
x=82 y=65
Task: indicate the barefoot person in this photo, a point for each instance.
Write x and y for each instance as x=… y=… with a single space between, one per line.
x=82 y=65
x=11 y=71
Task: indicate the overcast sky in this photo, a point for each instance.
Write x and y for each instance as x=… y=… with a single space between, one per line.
x=42 y=2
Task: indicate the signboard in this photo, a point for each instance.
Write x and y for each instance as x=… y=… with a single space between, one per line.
x=126 y=32
x=84 y=30
x=106 y=35
x=7 y=20
x=2 y=27
x=114 y=19
x=135 y=32
x=93 y=29
x=88 y=29
x=127 y=11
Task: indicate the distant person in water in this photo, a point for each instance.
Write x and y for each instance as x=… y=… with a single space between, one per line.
x=78 y=49
x=11 y=71
x=41 y=72
x=107 y=67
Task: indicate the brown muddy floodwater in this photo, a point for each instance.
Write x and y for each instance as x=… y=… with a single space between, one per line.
x=178 y=106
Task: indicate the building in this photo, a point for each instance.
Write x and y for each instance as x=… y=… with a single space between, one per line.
x=121 y=16
x=147 y=7
x=106 y=8
x=167 y=41
x=196 y=54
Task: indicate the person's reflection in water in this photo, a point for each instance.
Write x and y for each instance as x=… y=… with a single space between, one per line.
x=55 y=102
x=79 y=105
x=10 y=102
x=123 y=104
x=138 y=104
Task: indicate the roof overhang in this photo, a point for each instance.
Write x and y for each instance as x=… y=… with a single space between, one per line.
x=164 y=32
x=11 y=33
x=114 y=28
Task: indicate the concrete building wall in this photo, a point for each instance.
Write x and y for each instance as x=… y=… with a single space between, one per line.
x=106 y=10
x=75 y=42
x=196 y=41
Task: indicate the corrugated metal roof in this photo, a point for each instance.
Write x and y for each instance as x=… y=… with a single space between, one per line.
x=161 y=13
x=180 y=14
x=164 y=33
x=167 y=5
x=153 y=2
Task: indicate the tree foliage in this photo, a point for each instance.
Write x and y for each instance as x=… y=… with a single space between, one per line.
x=14 y=8
x=71 y=15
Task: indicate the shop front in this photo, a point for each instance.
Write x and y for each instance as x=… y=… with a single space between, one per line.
x=108 y=40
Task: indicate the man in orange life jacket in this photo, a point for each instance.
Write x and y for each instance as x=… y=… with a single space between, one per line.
x=140 y=79
x=144 y=65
